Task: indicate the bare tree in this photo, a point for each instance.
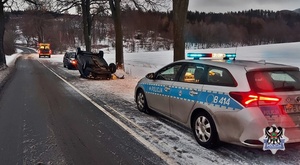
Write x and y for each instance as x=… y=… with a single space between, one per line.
x=115 y=7
x=88 y=9
x=10 y=37
x=179 y=19
x=27 y=27
x=2 y=29
x=87 y=23
x=8 y=4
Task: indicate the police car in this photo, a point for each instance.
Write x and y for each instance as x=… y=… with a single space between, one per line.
x=224 y=99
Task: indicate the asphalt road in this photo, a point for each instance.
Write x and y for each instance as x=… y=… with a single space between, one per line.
x=43 y=120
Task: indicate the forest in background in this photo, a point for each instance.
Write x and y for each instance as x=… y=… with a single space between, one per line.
x=152 y=30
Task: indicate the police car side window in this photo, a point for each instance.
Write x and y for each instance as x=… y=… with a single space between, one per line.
x=192 y=73
x=220 y=76
x=168 y=73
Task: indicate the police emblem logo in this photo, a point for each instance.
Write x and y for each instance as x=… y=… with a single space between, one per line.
x=274 y=139
x=298 y=99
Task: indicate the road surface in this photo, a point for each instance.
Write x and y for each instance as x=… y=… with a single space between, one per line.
x=44 y=121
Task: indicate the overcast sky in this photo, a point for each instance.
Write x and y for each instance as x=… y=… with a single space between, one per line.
x=221 y=6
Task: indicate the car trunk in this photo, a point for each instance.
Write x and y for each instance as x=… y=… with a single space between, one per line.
x=278 y=94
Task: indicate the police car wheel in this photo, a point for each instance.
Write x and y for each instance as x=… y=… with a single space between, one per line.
x=142 y=102
x=204 y=130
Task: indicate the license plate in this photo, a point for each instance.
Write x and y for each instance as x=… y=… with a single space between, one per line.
x=270 y=110
x=292 y=108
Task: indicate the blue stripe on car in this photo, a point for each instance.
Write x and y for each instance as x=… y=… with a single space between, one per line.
x=214 y=98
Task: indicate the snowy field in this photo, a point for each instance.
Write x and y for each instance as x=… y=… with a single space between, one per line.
x=180 y=146
x=141 y=63
x=137 y=65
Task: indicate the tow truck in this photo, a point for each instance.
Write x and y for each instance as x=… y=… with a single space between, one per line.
x=44 y=50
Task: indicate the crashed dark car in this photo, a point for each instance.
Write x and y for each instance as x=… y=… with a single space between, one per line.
x=93 y=65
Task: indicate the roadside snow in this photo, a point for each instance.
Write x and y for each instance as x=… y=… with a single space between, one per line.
x=137 y=65
x=10 y=61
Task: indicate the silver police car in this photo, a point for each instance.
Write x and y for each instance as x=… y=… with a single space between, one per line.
x=224 y=99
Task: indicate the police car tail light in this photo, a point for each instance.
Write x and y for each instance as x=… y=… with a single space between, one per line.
x=212 y=55
x=268 y=100
x=249 y=99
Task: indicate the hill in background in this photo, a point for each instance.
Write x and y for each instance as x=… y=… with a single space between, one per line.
x=297 y=10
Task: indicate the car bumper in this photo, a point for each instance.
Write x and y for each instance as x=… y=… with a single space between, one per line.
x=44 y=54
x=246 y=127
x=74 y=66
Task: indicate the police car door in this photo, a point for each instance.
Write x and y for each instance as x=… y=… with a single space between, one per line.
x=215 y=93
x=186 y=91
x=159 y=88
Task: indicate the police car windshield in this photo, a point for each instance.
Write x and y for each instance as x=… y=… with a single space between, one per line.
x=276 y=81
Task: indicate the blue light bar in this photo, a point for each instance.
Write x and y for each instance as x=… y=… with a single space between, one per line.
x=225 y=56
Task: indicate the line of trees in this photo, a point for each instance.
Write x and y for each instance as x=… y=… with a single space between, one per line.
x=210 y=30
x=253 y=27
x=152 y=30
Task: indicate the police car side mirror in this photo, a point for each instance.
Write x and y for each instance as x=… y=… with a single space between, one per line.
x=150 y=76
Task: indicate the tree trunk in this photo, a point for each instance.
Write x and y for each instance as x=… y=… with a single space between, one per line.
x=179 y=19
x=87 y=23
x=41 y=37
x=2 y=29
x=116 y=14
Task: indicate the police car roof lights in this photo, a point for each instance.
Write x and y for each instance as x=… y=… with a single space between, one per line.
x=225 y=56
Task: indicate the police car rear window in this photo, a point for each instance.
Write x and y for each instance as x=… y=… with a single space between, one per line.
x=276 y=81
